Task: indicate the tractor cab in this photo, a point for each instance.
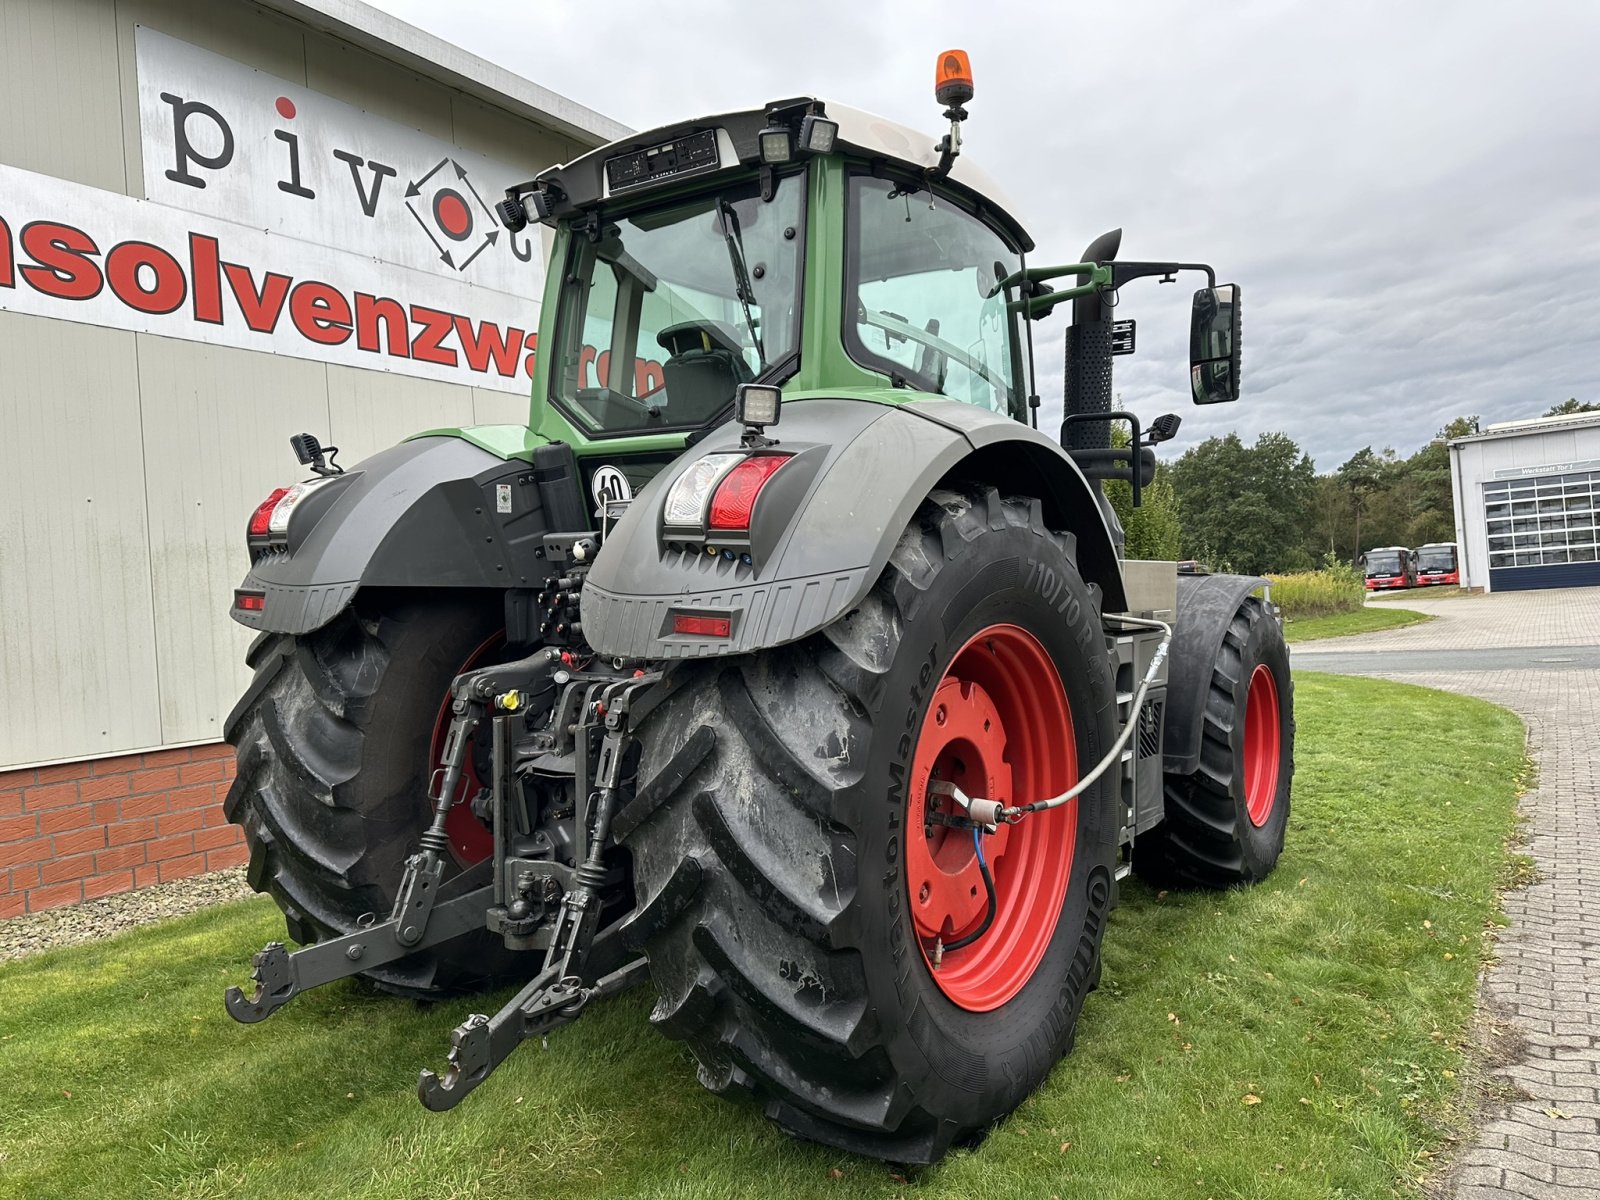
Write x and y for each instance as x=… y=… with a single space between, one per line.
x=813 y=247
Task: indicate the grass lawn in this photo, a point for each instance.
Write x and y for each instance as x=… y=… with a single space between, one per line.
x=1363 y=620
x=1298 y=1039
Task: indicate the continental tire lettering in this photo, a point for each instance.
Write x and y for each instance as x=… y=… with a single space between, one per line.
x=62 y=252
x=436 y=326
x=320 y=312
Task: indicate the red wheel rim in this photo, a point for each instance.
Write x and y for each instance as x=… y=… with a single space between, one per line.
x=1263 y=737
x=471 y=841
x=998 y=726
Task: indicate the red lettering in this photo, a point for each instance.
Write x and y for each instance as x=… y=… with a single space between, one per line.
x=205 y=278
x=261 y=308
x=64 y=269
x=585 y=357
x=129 y=264
x=320 y=312
x=530 y=343
x=487 y=342
x=425 y=346
x=8 y=259
x=396 y=329
x=602 y=368
x=648 y=375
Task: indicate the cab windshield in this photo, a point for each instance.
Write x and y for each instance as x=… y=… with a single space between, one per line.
x=694 y=298
x=1383 y=562
x=1441 y=559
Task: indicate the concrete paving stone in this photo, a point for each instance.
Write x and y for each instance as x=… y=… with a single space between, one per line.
x=1546 y=980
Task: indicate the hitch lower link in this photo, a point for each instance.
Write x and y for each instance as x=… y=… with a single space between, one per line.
x=581 y=966
x=558 y=994
x=416 y=920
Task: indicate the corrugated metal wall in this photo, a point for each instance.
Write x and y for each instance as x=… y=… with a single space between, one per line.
x=131 y=461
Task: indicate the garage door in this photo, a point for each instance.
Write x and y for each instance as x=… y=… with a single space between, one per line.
x=1542 y=531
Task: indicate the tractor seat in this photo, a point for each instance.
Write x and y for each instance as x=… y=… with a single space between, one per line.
x=705 y=367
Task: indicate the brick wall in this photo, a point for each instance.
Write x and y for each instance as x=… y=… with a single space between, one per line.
x=80 y=830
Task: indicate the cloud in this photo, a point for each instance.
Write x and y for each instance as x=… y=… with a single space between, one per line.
x=1406 y=194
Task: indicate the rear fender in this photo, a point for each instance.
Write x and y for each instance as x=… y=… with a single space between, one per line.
x=823 y=530
x=1206 y=606
x=426 y=513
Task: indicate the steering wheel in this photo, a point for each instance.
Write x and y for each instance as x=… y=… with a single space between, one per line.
x=890 y=323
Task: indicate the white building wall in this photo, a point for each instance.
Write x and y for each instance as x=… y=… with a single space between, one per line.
x=132 y=460
x=1507 y=454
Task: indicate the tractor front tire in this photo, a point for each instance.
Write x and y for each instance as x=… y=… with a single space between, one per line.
x=1225 y=823
x=333 y=749
x=795 y=888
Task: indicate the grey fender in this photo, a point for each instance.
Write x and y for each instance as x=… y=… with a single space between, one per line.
x=420 y=514
x=824 y=527
x=1206 y=605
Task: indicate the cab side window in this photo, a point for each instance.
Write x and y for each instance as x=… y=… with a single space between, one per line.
x=924 y=298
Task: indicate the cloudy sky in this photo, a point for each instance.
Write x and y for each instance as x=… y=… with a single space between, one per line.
x=1408 y=193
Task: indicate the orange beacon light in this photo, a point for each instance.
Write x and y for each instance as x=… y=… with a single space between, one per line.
x=952 y=79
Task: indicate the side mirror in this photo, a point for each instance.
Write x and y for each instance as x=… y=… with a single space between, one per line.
x=1214 y=345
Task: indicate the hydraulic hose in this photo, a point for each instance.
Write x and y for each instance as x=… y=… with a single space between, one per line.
x=1112 y=755
x=988 y=887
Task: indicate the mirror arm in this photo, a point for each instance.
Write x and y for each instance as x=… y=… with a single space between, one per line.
x=1123 y=272
x=1098 y=276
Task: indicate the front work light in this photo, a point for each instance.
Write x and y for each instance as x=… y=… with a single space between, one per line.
x=817 y=134
x=757 y=404
x=775 y=145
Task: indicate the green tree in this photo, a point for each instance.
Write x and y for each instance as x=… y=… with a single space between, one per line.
x=1246 y=508
x=1571 y=408
x=1154 y=530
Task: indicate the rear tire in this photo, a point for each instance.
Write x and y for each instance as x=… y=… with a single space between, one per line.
x=1225 y=822
x=332 y=746
x=772 y=839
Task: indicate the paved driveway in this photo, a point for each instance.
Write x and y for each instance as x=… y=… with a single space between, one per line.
x=1538 y=654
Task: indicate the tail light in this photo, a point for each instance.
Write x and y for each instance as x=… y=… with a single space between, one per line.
x=271 y=517
x=735 y=497
x=718 y=492
x=262 y=516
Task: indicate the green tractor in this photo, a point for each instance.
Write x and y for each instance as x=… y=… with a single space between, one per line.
x=780 y=659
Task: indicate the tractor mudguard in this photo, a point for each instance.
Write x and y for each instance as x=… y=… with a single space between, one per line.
x=428 y=513
x=823 y=529
x=1206 y=604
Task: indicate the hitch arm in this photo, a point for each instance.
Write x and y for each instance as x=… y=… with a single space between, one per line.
x=480 y=1043
x=280 y=976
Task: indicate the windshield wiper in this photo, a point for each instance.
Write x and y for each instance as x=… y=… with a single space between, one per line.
x=741 y=275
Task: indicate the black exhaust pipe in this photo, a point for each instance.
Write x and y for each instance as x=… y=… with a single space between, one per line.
x=1088 y=387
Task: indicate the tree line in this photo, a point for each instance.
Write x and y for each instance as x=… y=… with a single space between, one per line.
x=1265 y=507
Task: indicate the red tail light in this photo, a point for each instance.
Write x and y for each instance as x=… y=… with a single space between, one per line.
x=249 y=601
x=736 y=495
x=263 y=512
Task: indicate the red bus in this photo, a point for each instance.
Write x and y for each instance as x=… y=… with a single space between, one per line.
x=1388 y=567
x=1436 y=564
